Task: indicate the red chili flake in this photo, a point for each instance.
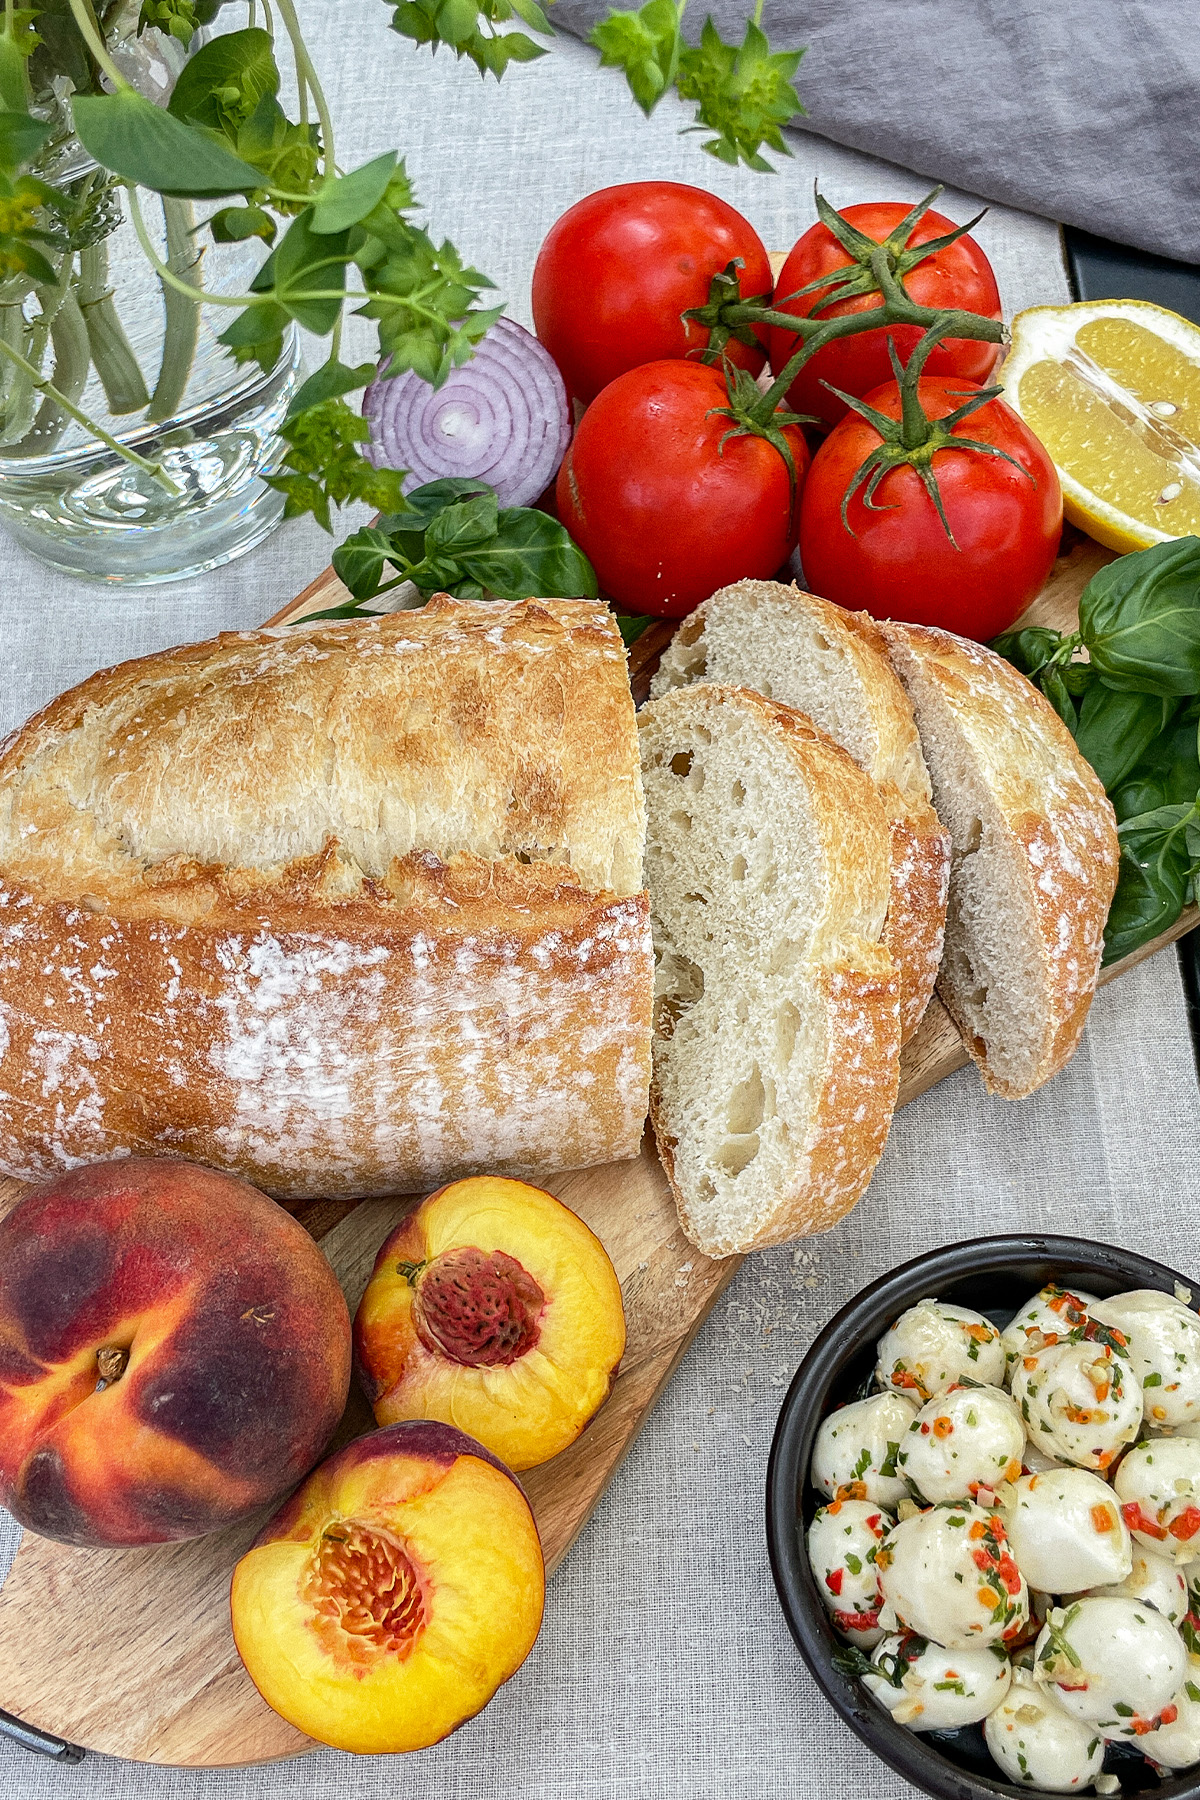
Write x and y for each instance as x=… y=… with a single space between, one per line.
x=983 y=1559
x=1010 y=1575
x=833 y=1581
x=1136 y=1520
x=1168 y=1715
x=943 y=1427
x=1102 y=1518
x=1186 y=1525
x=860 y=1621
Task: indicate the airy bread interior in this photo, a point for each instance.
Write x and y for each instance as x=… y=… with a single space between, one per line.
x=745 y=914
x=992 y=974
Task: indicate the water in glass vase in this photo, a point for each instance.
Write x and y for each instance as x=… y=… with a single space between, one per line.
x=142 y=361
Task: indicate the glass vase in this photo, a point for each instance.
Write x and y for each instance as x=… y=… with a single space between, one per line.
x=143 y=361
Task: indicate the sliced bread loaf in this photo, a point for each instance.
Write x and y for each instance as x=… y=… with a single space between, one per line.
x=833 y=665
x=1034 y=860
x=777 y=1025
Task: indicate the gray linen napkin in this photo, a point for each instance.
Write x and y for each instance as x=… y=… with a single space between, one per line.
x=1086 y=111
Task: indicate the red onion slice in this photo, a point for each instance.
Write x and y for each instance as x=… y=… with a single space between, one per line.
x=502 y=418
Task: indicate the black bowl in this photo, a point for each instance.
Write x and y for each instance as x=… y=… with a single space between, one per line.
x=994 y=1276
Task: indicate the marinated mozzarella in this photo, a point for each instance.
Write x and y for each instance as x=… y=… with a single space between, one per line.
x=856 y=1447
x=1176 y=1743
x=1066 y=1531
x=1164 y=1348
x=1080 y=1399
x=1154 y=1579
x=968 y=1439
x=1158 y=1484
x=1112 y=1662
x=842 y=1541
x=1046 y=1319
x=931 y=1689
x=1038 y=1743
x=948 y=1574
x=934 y=1345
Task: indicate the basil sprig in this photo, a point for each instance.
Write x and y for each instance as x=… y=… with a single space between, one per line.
x=1134 y=709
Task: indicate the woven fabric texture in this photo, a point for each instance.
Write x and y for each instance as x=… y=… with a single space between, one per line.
x=664 y=1668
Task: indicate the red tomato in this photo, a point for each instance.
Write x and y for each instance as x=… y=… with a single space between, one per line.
x=897 y=562
x=960 y=277
x=665 y=515
x=619 y=268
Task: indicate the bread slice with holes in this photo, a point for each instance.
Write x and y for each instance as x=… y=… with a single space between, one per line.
x=834 y=666
x=1034 y=856
x=776 y=1017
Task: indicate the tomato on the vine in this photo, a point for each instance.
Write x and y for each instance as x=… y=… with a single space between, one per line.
x=618 y=270
x=664 y=512
x=892 y=556
x=958 y=277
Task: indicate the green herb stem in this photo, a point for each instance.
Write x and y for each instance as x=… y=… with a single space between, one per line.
x=72 y=364
x=81 y=418
x=181 y=327
x=116 y=365
x=305 y=72
x=93 y=38
x=168 y=275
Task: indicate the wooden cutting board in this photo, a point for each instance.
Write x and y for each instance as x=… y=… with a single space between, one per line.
x=130 y=1651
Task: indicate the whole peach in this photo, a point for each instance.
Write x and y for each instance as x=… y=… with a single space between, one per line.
x=174 y=1353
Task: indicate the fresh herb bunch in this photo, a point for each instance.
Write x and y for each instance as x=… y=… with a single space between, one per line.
x=338 y=238
x=1127 y=684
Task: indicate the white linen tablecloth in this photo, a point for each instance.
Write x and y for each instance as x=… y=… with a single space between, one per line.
x=664 y=1668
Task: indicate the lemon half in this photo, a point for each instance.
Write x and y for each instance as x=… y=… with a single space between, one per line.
x=1112 y=388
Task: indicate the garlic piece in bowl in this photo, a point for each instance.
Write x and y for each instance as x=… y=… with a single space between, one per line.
x=968 y=1439
x=1066 y=1531
x=1048 y=1317
x=1158 y=1484
x=1038 y=1743
x=1111 y=1661
x=934 y=1345
x=1080 y=1399
x=1154 y=1579
x=855 y=1451
x=1164 y=1347
x=948 y=1574
x=842 y=1541
x=928 y=1688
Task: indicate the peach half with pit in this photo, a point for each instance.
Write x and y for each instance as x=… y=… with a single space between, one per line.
x=394 y=1592
x=174 y=1353
x=492 y=1307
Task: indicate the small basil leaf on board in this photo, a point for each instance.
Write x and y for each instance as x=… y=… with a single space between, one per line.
x=466 y=525
x=360 y=562
x=1140 y=619
x=1155 y=870
x=131 y=137
x=1116 y=729
x=1029 y=650
x=1059 y=695
x=532 y=554
x=1169 y=772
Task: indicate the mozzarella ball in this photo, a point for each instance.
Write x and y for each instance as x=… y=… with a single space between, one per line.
x=931 y=1689
x=1080 y=1400
x=1066 y=1531
x=1176 y=1743
x=1164 y=1348
x=962 y=1441
x=1113 y=1662
x=933 y=1345
x=1037 y=1743
x=948 y=1574
x=1046 y=1319
x=842 y=1541
x=857 y=1444
x=1158 y=1484
x=1154 y=1579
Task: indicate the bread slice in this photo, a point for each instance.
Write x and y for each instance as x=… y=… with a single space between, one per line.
x=777 y=1021
x=833 y=665
x=1034 y=860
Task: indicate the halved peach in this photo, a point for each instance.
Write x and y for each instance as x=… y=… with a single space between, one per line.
x=493 y=1308
x=394 y=1593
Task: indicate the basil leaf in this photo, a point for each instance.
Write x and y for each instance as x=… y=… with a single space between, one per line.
x=360 y=562
x=1168 y=774
x=1156 y=867
x=468 y=525
x=1140 y=619
x=134 y=139
x=1028 y=650
x=427 y=501
x=1059 y=695
x=532 y=554
x=1116 y=729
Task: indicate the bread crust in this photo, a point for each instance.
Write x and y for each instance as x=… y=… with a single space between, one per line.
x=920 y=845
x=1055 y=809
x=852 y=972
x=310 y=1025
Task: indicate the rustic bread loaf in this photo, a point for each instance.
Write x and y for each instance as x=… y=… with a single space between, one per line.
x=1034 y=857
x=833 y=665
x=777 y=1026
x=341 y=908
